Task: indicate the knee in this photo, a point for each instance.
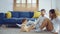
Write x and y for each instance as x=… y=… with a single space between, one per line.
x=50 y=29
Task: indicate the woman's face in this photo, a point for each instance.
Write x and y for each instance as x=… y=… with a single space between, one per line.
x=50 y=15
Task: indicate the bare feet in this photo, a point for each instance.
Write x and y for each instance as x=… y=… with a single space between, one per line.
x=55 y=33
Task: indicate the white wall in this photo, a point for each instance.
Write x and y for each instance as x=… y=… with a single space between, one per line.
x=53 y=4
x=6 y=5
x=58 y=4
x=44 y=4
x=47 y=4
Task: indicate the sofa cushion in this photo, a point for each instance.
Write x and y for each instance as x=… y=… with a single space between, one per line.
x=8 y=14
x=2 y=15
x=31 y=14
x=25 y=14
x=15 y=14
x=9 y=21
x=36 y=14
x=13 y=20
x=1 y=22
x=19 y=21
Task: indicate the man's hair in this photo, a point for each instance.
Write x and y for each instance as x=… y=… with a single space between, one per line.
x=52 y=11
x=42 y=9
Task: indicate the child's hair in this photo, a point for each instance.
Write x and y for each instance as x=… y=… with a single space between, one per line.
x=23 y=20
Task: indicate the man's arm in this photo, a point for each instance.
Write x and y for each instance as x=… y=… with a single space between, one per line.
x=37 y=21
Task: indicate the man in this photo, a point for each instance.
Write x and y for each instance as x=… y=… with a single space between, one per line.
x=40 y=20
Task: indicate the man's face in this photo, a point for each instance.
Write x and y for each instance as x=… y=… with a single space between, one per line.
x=42 y=12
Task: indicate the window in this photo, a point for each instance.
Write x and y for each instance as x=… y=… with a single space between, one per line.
x=29 y=3
x=33 y=3
x=18 y=1
x=25 y=5
x=23 y=1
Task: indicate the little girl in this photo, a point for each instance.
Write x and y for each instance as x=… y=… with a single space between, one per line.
x=25 y=27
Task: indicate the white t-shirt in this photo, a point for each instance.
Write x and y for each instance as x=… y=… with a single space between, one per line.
x=56 y=23
x=40 y=20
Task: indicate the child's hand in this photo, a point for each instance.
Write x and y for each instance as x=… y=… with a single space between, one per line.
x=33 y=25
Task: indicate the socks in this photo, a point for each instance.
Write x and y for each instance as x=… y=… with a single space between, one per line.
x=19 y=25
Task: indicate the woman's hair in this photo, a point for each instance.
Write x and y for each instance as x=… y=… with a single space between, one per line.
x=52 y=11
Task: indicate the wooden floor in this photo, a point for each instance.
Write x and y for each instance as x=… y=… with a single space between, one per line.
x=17 y=31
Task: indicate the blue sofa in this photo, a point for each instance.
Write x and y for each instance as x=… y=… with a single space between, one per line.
x=16 y=17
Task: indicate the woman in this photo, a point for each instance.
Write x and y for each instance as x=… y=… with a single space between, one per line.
x=55 y=20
